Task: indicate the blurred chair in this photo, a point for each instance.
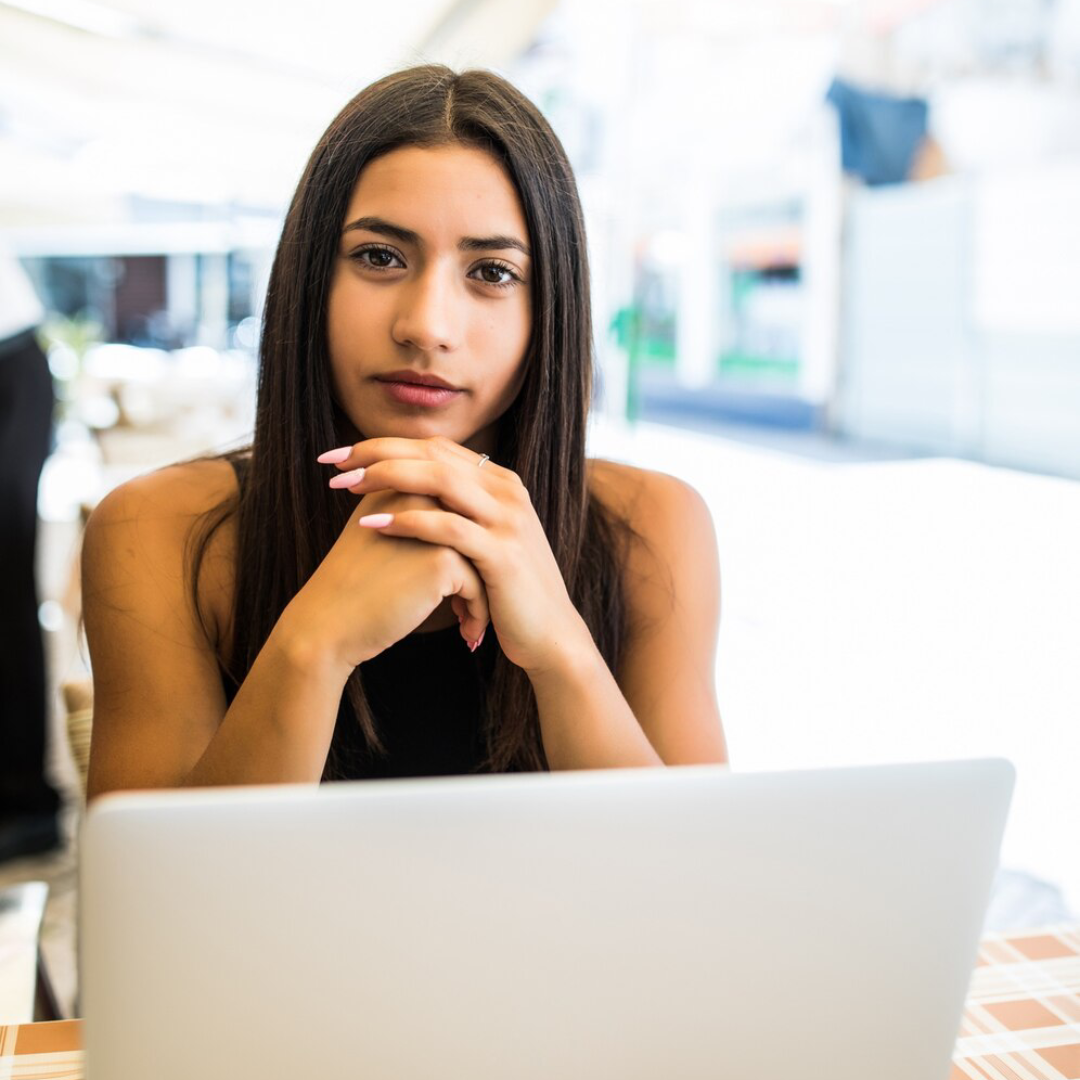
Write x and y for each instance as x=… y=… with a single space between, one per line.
x=78 y=697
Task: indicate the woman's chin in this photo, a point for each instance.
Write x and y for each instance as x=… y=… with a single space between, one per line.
x=397 y=424
x=413 y=428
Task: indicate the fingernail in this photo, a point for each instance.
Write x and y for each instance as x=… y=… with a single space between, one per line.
x=376 y=521
x=347 y=479
x=335 y=457
x=473 y=645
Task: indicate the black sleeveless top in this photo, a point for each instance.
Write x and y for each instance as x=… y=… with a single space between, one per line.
x=426 y=695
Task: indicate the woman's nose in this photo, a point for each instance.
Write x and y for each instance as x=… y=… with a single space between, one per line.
x=430 y=312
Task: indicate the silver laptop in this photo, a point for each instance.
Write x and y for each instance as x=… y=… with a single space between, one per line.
x=639 y=923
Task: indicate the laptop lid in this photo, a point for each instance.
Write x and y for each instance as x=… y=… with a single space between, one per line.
x=685 y=922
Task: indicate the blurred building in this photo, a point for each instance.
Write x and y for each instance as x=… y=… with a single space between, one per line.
x=758 y=256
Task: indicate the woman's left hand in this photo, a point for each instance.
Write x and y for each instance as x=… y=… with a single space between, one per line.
x=487 y=517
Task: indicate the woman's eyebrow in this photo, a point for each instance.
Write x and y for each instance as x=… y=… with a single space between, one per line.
x=407 y=236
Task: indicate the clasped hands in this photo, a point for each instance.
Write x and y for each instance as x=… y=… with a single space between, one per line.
x=485 y=514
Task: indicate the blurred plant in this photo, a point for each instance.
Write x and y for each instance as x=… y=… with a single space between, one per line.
x=66 y=341
x=68 y=338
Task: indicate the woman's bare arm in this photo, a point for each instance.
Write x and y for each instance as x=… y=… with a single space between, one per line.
x=160 y=717
x=660 y=707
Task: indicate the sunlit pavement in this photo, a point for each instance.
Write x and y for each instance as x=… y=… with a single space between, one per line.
x=895 y=611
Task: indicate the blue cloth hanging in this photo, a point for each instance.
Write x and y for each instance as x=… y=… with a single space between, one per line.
x=879 y=134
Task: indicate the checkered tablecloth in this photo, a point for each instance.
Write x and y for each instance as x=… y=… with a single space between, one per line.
x=1022 y=1017
x=42 y=1051
x=1021 y=1021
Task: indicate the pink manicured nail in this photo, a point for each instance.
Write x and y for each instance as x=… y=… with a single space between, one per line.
x=473 y=646
x=347 y=479
x=376 y=521
x=335 y=457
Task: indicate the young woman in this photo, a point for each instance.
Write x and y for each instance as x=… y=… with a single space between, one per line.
x=413 y=569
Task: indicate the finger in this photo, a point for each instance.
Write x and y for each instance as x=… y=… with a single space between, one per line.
x=454 y=485
x=460 y=608
x=437 y=448
x=471 y=599
x=441 y=527
x=392 y=446
x=461 y=536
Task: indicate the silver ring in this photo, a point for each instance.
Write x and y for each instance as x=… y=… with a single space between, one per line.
x=483 y=458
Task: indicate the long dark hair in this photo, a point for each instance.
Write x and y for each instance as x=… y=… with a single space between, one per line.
x=288 y=519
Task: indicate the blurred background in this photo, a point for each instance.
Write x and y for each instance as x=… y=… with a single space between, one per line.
x=835 y=248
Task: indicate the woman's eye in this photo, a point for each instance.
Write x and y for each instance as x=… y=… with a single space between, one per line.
x=378 y=253
x=509 y=280
x=379 y=259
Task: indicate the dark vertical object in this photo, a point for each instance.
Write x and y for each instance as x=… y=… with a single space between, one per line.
x=26 y=407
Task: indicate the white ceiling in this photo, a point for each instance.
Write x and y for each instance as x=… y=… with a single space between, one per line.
x=221 y=101
x=210 y=100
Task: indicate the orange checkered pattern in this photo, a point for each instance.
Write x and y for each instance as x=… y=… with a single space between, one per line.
x=1022 y=1017
x=1021 y=1021
x=42 y=1051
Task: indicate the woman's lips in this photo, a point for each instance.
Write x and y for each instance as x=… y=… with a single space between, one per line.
x=407 y=393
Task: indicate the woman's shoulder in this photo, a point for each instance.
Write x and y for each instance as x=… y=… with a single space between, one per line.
x=196 y=484
x=672 y=550
x=641 y=496
x=167 y=499
x=140 y=534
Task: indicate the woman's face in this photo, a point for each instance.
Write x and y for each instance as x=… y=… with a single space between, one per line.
x=428 y=284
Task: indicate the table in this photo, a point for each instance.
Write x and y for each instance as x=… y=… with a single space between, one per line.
x=1021 y=1020
x=22 y=908
x=1022 y=1016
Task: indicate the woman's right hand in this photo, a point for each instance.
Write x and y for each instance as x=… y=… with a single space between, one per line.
x=371 y=590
